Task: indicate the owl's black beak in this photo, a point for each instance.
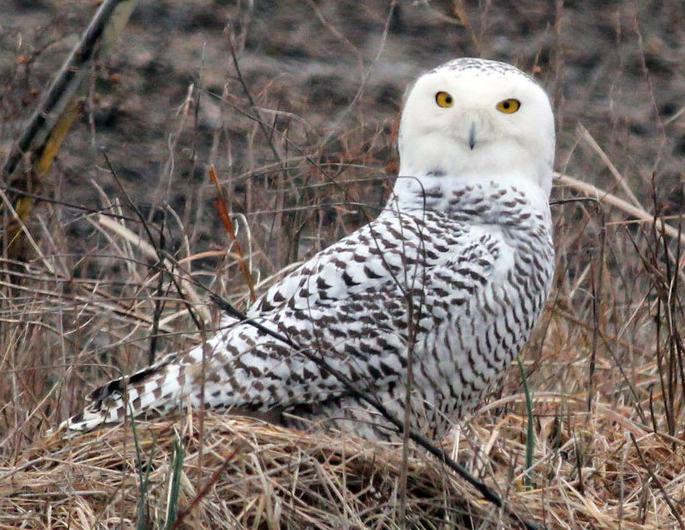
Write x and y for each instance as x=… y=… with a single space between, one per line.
x=472 y=136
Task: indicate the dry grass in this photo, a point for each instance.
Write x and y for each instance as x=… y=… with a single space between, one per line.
x=606 y=368
x=595 y=470
x=607 y=414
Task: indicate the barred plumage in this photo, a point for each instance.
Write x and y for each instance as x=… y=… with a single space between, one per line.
x=450 y=279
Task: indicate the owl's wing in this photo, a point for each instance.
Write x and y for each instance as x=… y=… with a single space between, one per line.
x=357 y=304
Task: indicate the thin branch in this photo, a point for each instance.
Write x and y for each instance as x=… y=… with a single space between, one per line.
x=101 y=33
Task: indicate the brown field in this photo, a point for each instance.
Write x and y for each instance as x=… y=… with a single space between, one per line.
x=302 y=137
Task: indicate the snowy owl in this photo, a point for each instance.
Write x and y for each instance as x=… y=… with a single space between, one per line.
x=446 y=283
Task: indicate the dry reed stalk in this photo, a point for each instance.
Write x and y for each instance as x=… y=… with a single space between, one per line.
x=605 y=197
x=149 y=251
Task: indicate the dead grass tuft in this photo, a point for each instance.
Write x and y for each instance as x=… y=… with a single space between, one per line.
x=591 y=471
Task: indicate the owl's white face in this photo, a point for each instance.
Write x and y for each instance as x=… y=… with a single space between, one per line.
x=472 y=118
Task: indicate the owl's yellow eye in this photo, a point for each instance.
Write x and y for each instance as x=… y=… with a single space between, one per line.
x=509 y=106
x=444 y=100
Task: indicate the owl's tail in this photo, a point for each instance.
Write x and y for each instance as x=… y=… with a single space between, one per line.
x=155 y=389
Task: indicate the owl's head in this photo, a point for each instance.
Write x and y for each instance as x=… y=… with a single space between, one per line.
x=473 y=118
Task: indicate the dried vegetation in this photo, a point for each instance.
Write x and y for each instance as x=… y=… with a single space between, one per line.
x=302 y=142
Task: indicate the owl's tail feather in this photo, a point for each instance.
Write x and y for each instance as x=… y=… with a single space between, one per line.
x=152 y=389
